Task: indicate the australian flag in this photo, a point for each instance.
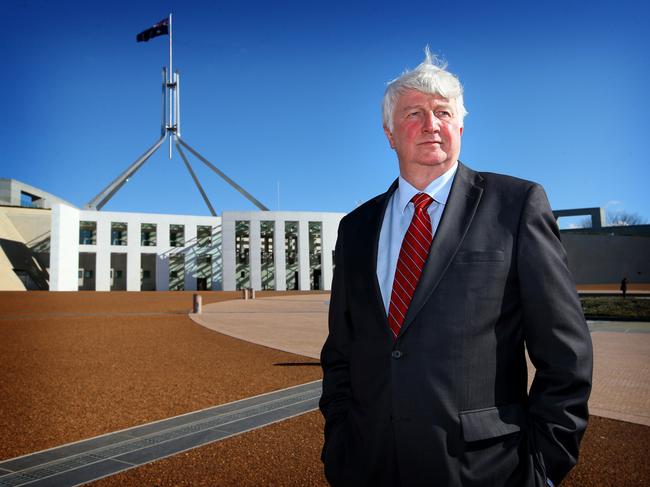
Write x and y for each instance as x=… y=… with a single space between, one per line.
x=159 y=29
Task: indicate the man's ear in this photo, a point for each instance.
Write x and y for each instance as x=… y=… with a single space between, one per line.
x=389 y=136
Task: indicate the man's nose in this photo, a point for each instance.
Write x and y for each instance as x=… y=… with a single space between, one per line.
x=430 y=122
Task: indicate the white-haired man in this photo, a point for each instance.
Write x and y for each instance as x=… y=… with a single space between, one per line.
x=440 y=285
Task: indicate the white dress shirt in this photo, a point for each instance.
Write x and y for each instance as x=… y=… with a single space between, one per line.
x=397 y=219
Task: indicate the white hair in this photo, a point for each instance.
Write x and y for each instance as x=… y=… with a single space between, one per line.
x=431 y=77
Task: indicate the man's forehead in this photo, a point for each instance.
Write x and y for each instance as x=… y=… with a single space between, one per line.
x=415 y=98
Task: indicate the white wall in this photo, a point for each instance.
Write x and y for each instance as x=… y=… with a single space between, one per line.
x=134 y=250
x=64 y=248
x=66 y=236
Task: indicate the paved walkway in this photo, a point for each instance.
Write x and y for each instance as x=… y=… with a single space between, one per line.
x=298 y=324
x=295 y=323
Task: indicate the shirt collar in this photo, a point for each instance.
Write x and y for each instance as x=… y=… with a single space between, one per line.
x=438 y=189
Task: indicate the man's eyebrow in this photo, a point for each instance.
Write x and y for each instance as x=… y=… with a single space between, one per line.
x=444 y=104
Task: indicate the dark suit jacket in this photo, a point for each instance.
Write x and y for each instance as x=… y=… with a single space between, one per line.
x=446 y=404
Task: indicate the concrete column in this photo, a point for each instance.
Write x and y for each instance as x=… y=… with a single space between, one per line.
x=303 y=255
x=162 y=258
x=190 y=257
x=162 y=272
x=279 y=256
x=103 y=255
x=215 y=252
x=255 y=254
x=326 y=257
x=64 y=250
x=133 y=259
x=228 y=254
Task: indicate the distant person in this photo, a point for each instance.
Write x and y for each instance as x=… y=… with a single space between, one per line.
x=425 y=380
x=624 y=287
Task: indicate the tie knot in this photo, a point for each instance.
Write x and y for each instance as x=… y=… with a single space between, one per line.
x=421 y=201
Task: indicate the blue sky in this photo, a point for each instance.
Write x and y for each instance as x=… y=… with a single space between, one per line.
x=289 y=93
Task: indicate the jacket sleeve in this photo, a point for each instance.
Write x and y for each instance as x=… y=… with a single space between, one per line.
x=557 y=340
x=336 y=397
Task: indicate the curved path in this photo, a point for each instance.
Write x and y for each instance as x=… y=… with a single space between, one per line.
x=294 y=323
x=298 y=324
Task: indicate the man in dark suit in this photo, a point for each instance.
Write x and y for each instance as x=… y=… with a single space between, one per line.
x=440 y=286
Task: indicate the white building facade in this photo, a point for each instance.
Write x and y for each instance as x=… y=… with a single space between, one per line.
x=263 y=250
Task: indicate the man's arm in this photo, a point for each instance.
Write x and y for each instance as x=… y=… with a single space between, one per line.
x=336 y=397
x=557 y=339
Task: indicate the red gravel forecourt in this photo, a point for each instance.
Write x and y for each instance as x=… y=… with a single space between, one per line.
x=80 y=364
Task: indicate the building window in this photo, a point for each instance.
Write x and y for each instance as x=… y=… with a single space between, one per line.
x=88 y=233
x=86 y=276
x=267 y=230
x=242 y=251
x=291 y=255
x=315 y=252
x=204 y=272
x=148 y=234
x=177 y=235
x=177 y=272
x=118 y=233
x=148 y=271
x=203 y=235
x=29 y=200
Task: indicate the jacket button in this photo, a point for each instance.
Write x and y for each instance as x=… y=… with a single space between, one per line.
x=396 y=354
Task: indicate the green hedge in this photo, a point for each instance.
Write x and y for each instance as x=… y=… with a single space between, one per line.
x=616 y=307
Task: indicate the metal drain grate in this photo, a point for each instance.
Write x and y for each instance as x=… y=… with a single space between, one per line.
x=91 y=459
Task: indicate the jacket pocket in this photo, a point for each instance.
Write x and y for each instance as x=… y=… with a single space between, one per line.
x=468 y=256
x=486 y=423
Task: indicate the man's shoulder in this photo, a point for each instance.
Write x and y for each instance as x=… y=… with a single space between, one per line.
x=492 y=181
x=505 y=181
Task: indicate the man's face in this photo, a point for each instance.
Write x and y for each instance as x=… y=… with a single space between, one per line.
x=426 y=133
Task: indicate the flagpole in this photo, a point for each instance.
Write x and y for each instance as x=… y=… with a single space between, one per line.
x=170 y=81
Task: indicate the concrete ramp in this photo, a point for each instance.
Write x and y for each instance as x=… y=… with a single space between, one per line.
x=9 y=237
x=24 y=238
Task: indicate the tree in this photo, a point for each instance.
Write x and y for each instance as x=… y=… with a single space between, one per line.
x=623 y=219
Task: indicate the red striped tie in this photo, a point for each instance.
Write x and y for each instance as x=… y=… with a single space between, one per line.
x=412 y=255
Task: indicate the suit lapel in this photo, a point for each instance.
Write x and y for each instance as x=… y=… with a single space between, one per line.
x=459 y=211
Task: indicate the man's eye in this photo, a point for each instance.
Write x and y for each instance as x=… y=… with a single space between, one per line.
x=414 y=113
x=443 y=114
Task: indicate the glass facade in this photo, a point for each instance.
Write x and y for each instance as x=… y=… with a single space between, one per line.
x=242 y=254
x=148 y=272
x=177 y=235
x=291 y=255
x=118 y=233
x=88 y=233
x=118 y=272
x=267 y=230
x=315 y=253
x=86 y=274
x=203 y=235
x=204 y=273
x=177 y=272
x=148 y=234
